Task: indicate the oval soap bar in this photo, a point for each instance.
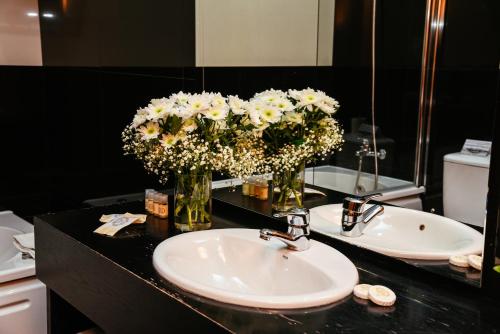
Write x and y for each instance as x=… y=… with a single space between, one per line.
x=381 y=295
x=459 y=261
x=361 y=290
x=476 y=261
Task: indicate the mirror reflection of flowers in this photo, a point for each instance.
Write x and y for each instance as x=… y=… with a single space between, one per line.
x=191 y=135
x=297 y=127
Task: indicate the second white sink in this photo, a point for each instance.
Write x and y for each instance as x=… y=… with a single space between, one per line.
x=404 y=233
x=235 y=266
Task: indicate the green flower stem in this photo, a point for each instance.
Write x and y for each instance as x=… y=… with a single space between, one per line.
x=192 y=200
x=190 y=220
x=289 y=182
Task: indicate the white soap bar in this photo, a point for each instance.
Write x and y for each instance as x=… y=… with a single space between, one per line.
x=381 y=295
x=361 y=290
x=459 y=261
x=476 y=261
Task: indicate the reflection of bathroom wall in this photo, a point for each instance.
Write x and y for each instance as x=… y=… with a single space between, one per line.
x=264 y=32
x=399 y=29
x=19 y=33
x=466 y=86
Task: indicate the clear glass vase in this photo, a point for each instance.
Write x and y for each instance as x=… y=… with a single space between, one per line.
x=193 y=202
x=288 y=189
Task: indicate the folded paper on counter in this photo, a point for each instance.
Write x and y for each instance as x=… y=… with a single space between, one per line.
x=140 y=219
x=115 y=222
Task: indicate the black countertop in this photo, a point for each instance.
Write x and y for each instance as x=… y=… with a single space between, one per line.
x=112 y=281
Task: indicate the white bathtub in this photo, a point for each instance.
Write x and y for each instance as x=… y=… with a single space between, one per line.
x=394 y=191
x=22 y=297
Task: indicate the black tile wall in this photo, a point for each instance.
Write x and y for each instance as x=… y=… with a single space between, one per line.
x=60 y=126
x=60 y=132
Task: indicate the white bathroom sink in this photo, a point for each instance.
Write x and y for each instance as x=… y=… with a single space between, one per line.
x=404 y=233
x=12 y=264
x=236 y=266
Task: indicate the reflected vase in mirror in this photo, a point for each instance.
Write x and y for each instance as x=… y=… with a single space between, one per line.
x=193 y=202
x=288 y=189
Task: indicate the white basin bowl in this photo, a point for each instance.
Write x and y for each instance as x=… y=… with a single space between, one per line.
x=403 y=233
x=236 y=266
x=7 y=249
x=12 y=264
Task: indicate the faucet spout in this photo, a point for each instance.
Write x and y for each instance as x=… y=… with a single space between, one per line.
x=297 y=236
x=294 y=242
x=372 y=212
x=355 y=218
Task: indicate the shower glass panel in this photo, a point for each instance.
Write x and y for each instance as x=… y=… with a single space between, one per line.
x=396 y=32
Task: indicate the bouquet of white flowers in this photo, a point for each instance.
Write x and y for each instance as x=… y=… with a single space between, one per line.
x=192 y=135
x=296 y=127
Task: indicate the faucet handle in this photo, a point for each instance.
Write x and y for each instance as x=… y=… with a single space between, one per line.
x=356 y=203
x=296 y=217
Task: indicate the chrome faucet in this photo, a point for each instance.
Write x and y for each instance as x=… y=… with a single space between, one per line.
x=366 y=151
x=354 y=217
x=297 y=237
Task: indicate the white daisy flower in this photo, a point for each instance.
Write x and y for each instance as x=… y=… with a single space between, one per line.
x=283 y=104
x=216 y=113
x=294 y=94
x=308 y=97
x=158 y=108
x=270 y=114
x=198 y=103
x=150 y=130
x=185 y=112
x=262 y=127
x=180 y=98
x=168 y=140
x=159 y=101
x=327 y=108
x=218 y=100
x=140 y=117
x=237 y=105
x=269 y=98
x=270 y=95
x=189 y=125
x=293 y=117
x=254 y=111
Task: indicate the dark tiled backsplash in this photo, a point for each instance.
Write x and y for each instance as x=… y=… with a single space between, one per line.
x=60 y=127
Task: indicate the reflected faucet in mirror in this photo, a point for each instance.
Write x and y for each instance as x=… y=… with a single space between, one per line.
x=366 y=151
x=297 y=236
x=354 y=217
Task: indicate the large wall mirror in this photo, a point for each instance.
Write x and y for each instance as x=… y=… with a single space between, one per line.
x=411 y=95
x=425 y=144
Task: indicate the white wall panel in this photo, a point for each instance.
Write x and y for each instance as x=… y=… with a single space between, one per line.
x=20 y=42
x=256 y=32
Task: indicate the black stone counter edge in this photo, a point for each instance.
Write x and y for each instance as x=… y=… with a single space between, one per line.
x=118 y=280
x=255 y=219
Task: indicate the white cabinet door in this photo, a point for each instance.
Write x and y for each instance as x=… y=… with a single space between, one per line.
x=23 y=307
